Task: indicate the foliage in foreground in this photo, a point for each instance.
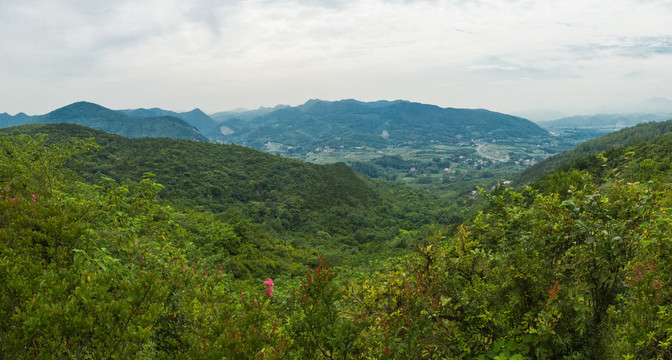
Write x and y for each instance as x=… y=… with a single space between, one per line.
x=107 y=272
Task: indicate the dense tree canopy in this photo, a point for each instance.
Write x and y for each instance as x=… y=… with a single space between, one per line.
x=111 y=269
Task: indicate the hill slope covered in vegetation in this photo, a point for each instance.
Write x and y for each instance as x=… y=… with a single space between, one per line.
x=108 y=271
x=287 y=196
x=623 y=137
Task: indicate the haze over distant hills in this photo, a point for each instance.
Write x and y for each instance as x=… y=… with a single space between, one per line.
x=629 y=113
x=655 y=105
x=606 y=122
x=244 y=114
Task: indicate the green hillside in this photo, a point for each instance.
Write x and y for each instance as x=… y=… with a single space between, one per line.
x=214 y=175
x=286 y=196
x=105 y=269
x=624 y=137
x=101 y=118
x=643 y=161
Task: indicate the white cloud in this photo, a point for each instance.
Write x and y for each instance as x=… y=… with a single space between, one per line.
x=497 y=54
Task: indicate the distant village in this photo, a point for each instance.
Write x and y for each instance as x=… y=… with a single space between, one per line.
x=478 y=155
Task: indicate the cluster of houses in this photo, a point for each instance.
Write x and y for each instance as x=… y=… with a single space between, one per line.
x=469 y=162
x=522 y=161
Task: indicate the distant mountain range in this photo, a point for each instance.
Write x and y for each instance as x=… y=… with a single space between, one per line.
x=657 y=106
x=317 y=122
x=609 y=122
x=352 y=123
x=120 y=123
x=7 y=120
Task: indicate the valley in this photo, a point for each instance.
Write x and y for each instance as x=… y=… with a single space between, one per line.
x=448 y=152
x=449 y=170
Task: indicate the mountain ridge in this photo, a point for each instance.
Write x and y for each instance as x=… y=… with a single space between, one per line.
x=196 y=117
x=101 y=118
x=319 y=121
x=21 y=118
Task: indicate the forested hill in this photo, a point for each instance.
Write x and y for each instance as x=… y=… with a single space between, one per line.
x=223 y=177
x=101 y=118
x=7 y=120
x=642 y=161
x=196 y=117
x=624 y=137
x=351 y=122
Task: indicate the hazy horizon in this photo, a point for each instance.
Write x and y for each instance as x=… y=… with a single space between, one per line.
x=654 y=106
x=509 y=56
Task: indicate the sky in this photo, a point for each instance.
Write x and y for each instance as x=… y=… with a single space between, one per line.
x=510 y=56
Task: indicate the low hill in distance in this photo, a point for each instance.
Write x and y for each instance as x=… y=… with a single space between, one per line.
x=625 y=137
x=244 y=114
x=196 y=117
x=7 y=120
x=101 y=118
x=604 y=122
x=578 y=129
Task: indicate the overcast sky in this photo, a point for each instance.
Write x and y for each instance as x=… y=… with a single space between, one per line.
x=502 y=55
